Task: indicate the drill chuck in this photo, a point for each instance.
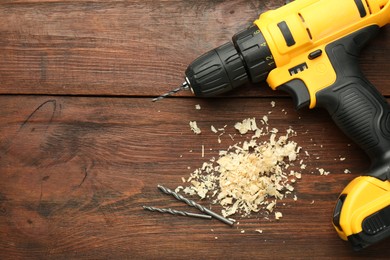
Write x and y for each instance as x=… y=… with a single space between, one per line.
x=246 y=59
x=218 y=71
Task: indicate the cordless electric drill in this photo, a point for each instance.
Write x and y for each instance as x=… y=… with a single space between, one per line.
x=310 y=49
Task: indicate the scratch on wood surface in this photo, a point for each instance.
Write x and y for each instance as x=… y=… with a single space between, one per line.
x=23 y=142
x=39 y=108
x=85 y=176
x=86 y=172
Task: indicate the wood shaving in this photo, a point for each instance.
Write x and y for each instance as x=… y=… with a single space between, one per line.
x=246 y=125
x=194 y=127
x=323 y=172
x=223 y=128
x=278 y=215
x=197 y=107
x=265 y=120
x=179 y=188
x=271 y=206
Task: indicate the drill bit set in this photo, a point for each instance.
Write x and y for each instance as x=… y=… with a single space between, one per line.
x=208 y=213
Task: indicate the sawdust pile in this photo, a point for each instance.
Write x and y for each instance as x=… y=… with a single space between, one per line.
x=250 y=175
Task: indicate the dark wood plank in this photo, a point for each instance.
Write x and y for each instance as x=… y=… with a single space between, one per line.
x=75 y=172
x=128 y=47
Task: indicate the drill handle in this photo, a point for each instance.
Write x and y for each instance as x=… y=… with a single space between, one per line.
x=355 y=105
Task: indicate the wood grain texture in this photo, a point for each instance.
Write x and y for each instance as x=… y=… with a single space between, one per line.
x=82 y=147
x=111 y=47
x=128 y=47
x=76 y=171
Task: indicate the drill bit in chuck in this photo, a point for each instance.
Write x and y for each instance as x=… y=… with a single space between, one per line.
x=184 y=86
x=196 y=205
x=177 y=212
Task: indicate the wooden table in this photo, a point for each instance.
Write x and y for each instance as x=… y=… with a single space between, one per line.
x=82 y=147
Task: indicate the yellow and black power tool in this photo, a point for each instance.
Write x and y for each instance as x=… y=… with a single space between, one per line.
x=310 y=49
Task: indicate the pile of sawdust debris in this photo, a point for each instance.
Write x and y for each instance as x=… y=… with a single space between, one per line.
x=249 y=176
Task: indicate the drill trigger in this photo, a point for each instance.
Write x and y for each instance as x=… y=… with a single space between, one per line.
x=298 y=90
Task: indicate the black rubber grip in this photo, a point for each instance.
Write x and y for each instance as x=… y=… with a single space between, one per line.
x=354 y=103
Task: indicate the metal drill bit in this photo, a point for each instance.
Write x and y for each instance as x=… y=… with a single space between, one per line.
x=177 y=212
x=196 y=205
x=184 y=86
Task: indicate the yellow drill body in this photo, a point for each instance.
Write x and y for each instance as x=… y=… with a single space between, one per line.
x=308 y=27
x=314 y=24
